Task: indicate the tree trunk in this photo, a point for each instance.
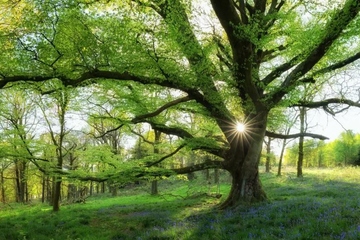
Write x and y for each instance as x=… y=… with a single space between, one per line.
x=207 y=175
x=2 y=182
x=216 y=176
x=320 y=158
x=243 y=163
x=191 y=175
x=268 y=157
x=154 y=188
x=20 y=167
x=301 y=143
x=102 y=187
x=154 y=183
x=71 y=195
x=57 y=194
x=91 y=188
x=43 y=185
x=49 y=190
x=281 y=157
x=244 y=189
x=114 y=190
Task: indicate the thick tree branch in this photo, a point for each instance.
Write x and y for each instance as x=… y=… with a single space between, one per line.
x=241 y=8
x=226 y=12
x=182 y=133
x=166 y=156
x=338 y=65
x=268 y=55
x=296 y=135
x=193 y=93
x=161 y=109
x=199 y=167
x=177 y=131
x=331 y=32
x=6 y=80
x=280 y=70
x=325 y=104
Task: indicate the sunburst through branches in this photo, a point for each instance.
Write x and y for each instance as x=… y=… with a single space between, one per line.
x=242 y=131
x=240 y=127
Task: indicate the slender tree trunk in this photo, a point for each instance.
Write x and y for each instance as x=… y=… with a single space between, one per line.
x=154 y=188
x=281 y=157
x=320 y=158
x=301 y=143
x=20 y=180
x=58 y=179
x=114 y=190
x=49 y=187
x=27 y=196
x=191 y=175
x=71 y=192
x=91 y=188
x=53 y=183
x=17 y=183
x=154 y=183
x=57 y=194
x=102 y=187
x=2 y=182
x=216 y=176
x=268 y=152
x=191 y=162
x=43 y=185
x=207 y=175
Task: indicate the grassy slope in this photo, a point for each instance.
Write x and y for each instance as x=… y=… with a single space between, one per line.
x=325 y=204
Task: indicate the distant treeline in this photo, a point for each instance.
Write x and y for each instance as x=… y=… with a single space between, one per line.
x=343 y=151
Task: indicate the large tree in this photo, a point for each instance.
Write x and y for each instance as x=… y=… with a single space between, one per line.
x=227 y=61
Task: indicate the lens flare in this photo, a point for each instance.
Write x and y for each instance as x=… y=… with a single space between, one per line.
x=240 y=127
x=241 y=131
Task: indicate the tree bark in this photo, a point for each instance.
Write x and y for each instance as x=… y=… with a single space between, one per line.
x=281 y=157
x=43 y=185
x=114 y=189
x=56 y=199
x=102 y=187
x=154 y=188
x=216 y=176
x=244 y=189
x=57 y=194
x=91 y=188
x=244 y=163
x=20 y=167
x=2 y=183
x=71 y=192
x=268 y=152
x=154 y=183
x=301 y=143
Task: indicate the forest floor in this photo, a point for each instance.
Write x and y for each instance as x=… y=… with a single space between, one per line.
x=324 y=204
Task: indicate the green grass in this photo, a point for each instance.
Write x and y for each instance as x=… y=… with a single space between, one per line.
x=325 y=204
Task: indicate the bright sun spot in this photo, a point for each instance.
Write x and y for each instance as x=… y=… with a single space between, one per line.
x=240 y=127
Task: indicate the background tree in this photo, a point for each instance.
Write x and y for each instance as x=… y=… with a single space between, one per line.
x=18 y=125
x=286 y=130
x=346 y=148
x=55 y=107
x=4 y=165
